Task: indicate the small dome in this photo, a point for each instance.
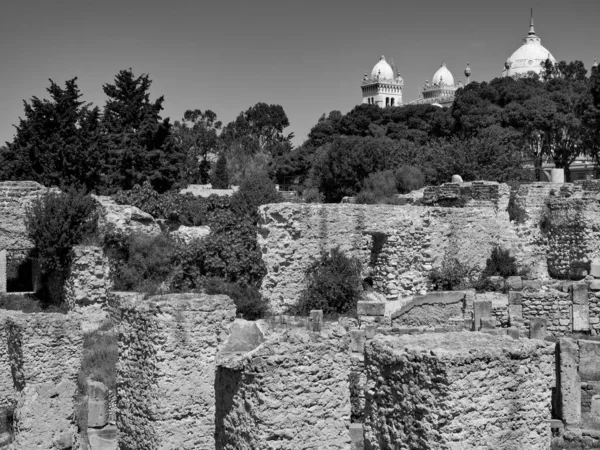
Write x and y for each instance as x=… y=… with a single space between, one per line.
x=443 y=76
x=383 y=70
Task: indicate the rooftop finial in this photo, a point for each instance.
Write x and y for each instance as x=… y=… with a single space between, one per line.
x=531 y=29
x=595 y=62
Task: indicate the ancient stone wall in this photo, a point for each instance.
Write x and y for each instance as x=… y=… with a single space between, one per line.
x=291 y=392
x=433 y=309
x=292 y=235
x=40 y=357
x=458 y=391
x=480 y=194
x=89 y=280
x=166 y=370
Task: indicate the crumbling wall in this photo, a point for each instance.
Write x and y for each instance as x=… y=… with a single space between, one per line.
x=291 y=392
x=480 y=194
x=40 y=355
x=88 y=281
x=458 y=391
x=433 y=309
x=166 y=370
x=552 y=304
x=292 y=235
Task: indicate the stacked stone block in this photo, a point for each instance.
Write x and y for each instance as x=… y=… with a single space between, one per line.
x=458 y=391
x=291 y=392
x=88 y=281
x=166 y=370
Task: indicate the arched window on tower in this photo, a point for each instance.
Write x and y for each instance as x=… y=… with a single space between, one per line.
x=387 y=101
x=392 y=102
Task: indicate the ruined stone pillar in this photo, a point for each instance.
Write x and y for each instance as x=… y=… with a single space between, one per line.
x=570 y=382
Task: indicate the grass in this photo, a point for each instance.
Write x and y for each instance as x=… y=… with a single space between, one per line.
x=99 y=361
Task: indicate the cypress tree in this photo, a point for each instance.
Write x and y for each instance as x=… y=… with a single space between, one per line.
x=221 y=176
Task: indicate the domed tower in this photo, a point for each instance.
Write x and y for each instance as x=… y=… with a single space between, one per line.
x=383 y=87
x=467 y=74
x=530 y=57
x=441 y=90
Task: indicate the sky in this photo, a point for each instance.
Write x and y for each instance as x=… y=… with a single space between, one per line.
x=308 y=56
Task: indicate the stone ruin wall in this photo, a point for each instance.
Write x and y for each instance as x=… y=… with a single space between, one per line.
x=416 y=240
x=166 y=370
x=458 y=391
x=291 y=392
x=40 y=357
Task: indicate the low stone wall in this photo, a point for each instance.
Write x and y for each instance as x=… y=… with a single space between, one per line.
x=291 y=392
x=458 y=391
x=40 y=357
x=89 y=280
x=479 y=194
x=166 y=370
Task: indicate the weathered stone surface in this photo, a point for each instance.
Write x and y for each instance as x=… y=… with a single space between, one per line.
x=594 y=285
x=581 y=317
x=534 y=285
x=291 y=393
x=515 y=315
x=125 y=218
x=188 y=234
x=244 y=335
x=538 y=328
x=88 y=281
x=97 y=404
x=462 y=384
x=579 y=293
x=589 y=360
x=595 y=268
x=367 y=308
x=357 y=436
x=316 y=320
x=515 y=298
x=431 y=309
x=514 y=283
x=357 y=341
x=481 y=309
x=166 y=370
x=570 y=382
x=103 y=439
x=595 y=407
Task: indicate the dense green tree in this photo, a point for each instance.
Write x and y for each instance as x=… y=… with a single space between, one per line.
x=256 y=189
x=221 y=176
x=139 y=144
x=57 y=142
x=197 y=135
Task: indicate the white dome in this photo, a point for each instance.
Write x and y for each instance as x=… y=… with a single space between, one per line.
x=383 y=70
x=529 y=57
x=443 y=75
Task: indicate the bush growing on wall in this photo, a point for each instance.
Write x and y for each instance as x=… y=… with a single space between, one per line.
x=333 y=284
x=248 y=300
x=56 y=223
x=500 y=263
x=452 y=275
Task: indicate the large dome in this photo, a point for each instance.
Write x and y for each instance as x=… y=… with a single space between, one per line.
x=443 y=76
x=382 y=70
x=529 y=57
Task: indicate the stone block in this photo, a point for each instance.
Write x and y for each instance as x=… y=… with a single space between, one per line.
x=103 y=439
x=515 y=314
x=316 y=322
x=589 y=360
x=594 y=285
x=515 y=298
x=538 y=328
x=513 y=332
x=481 y=308
x=595 y=407
x=514 y=283
x=357 y=341
x=497 y=282
x=370 y=330
x=97 y=404
x=581 y=317
x=570 y=382
x=595 y=268
x=357 y=436
x=244 y=336
x=370 y=308
x=532 y=285
x=579 y=293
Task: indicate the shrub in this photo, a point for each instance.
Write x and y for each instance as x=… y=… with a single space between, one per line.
x=139 y=262
x=56 y=223
x=409 y=178
x=333 y=284
x=500 y=263
x=378 y=187
x=452 y=275
x=255 y=190
x=220 y=179
x=248 y=300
